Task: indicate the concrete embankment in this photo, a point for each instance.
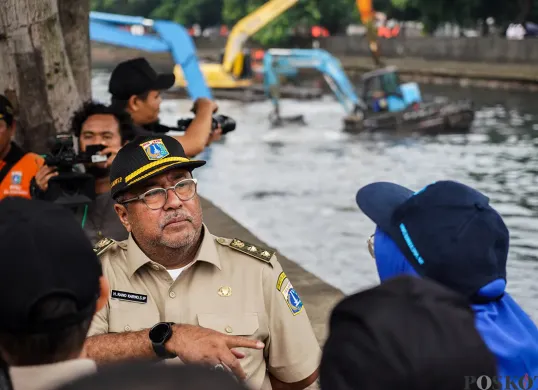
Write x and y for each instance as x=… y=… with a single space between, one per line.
x=490 y=73
x=318 y=297
x=486 y=75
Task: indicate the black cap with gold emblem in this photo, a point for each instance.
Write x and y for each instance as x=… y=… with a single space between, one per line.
x=145 y=157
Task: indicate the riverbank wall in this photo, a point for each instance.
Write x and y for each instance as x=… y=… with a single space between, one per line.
x=491 y=62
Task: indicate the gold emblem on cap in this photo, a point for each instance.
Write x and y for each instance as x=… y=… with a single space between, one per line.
x=225 y=291
x=155 y=149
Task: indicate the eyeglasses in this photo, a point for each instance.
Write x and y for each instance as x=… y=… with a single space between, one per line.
x=156 y=198
x=370 y=243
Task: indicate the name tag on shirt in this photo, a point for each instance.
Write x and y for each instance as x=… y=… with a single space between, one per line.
x=128 y=296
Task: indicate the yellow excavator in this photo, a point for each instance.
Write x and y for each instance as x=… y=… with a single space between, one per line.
x=235 y=71
x=367 y=13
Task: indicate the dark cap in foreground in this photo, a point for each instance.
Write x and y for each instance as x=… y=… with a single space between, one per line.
x=447 y=231
x=45 y=253
x=407 y=333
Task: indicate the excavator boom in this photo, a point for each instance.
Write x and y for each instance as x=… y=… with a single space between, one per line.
x=283 y=61
x=249 y=26
x=367 y=13
x=170 y=37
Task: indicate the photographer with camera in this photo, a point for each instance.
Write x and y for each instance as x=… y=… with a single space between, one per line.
x=17 y=167
x=101 y=131
x=135 y=87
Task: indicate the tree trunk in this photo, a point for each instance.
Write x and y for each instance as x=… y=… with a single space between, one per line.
x=36 y=74
x=75 y=22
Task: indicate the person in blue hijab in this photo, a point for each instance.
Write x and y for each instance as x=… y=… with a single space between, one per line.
x=448 y=232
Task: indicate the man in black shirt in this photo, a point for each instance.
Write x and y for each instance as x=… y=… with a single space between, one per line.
x=135 y=87
x=96 y=124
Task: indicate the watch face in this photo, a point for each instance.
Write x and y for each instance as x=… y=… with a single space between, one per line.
x=159 y=332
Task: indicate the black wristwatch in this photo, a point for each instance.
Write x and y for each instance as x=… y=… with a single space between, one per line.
x=159 y=335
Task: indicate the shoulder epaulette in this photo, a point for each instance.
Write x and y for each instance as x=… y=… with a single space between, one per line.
x=102 y=246
x=247 y=248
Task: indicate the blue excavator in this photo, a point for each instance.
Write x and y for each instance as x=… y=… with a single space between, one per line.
x=164 y=37
x=379 y=103
x=287 y=62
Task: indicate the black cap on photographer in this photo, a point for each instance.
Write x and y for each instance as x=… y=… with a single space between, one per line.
x=136 y=76
x=45 y=253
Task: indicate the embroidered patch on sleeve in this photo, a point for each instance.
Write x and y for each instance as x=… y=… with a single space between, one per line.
x=280 y=280
x=292 y=299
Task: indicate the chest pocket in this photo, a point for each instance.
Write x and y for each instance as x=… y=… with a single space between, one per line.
x=245 y=324
x=131 y=316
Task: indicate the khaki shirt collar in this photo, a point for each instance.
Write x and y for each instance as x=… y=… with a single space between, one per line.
x=207 y=253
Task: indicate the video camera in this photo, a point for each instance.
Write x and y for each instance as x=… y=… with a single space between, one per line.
x=63 y=155
x=71 y=188
x=226 y=123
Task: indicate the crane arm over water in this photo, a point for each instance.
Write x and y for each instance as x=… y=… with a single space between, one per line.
x=170 y=38
x=367 y=13
x=285 y=61
x=249 y=26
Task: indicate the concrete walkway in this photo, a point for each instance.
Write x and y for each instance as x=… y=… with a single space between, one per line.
x=318 y=297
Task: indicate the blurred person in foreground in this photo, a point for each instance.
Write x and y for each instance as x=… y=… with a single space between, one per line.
x=17 y=167
x=136 y=88
x=407 y=333
x=144 y=376
x=52 y=284
x=95 y=124
x=448 y=232
x=173 y=270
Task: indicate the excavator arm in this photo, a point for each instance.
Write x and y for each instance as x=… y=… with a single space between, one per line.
x=367 y=13
x=277 y=62
x=171 y=37
x=249 y=26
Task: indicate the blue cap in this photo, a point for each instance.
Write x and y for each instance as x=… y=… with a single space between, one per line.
x=447 y=231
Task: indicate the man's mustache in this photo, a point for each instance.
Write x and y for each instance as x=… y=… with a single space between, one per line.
x=176 y=217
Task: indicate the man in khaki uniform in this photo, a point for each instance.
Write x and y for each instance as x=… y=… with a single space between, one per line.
x=172 y=270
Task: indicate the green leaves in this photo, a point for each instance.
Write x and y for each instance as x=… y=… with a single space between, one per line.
x=335 y=15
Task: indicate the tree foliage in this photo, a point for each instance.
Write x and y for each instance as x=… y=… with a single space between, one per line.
x=334 y=15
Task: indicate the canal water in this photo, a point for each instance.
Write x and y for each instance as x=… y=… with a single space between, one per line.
x=294 y=187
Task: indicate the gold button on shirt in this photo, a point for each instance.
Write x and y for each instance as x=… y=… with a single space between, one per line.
x=232 y=287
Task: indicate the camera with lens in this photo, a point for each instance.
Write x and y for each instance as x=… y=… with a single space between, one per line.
x=63 y=155
x=71 y=188
x=226 y=123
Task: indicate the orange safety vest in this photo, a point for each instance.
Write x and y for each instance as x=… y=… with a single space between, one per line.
x=18 y=178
